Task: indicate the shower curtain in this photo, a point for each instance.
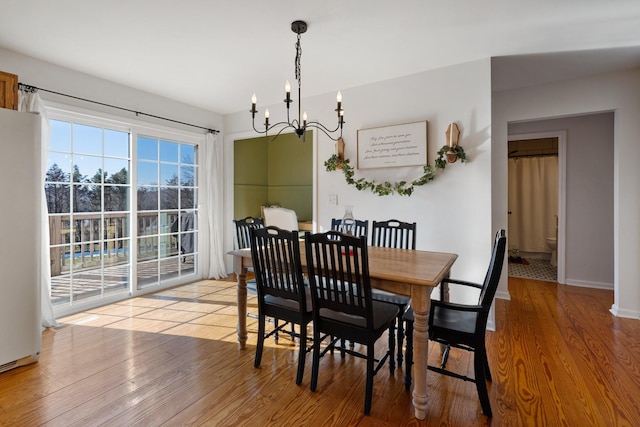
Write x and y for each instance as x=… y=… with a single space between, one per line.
x=533 y=202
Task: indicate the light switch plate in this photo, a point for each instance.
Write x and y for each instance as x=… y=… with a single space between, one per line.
x=333 y=200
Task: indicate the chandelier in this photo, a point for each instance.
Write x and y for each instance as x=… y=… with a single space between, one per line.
x=301 y=124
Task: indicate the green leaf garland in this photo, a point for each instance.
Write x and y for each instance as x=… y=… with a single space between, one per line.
x=387 y=188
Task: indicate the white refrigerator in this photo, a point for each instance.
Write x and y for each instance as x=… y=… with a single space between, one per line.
x=20 y=186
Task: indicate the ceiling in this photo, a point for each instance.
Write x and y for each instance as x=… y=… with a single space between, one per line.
x=214 y=54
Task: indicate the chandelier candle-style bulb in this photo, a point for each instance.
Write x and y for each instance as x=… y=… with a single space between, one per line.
x=287 y=89
x=339 y=100
x=266 y=117
x=304 y=119
x=254 y=100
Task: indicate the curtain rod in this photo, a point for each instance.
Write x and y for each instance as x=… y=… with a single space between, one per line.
x=29 y=88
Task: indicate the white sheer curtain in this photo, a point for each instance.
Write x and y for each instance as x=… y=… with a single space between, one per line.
x=533 y=202
x=31 y=102
x=213 y=267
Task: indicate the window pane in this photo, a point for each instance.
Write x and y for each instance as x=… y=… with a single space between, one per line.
x=116 y=198
x=116 y=171
x=147 y=148
x=86 y=228
x=169 y=268
x=116 y=143
x=117 y=252
x=87 y=139
x=59 y=167
x=147 y=248
x=168 y=198
x=147 y=173
x=60 y=137
x=87 y=198
x=168 y=246
x=147 y=273
x=187 y=175
x=59 y=229
x=87 y=168
x=187 y=243
x=169 y=222
x=168 y=152
x=116 y=227
x=58 y=197
x=188 y=198
x=147 y=198
x=147 y=224
x=188 y=154
x=168 y=174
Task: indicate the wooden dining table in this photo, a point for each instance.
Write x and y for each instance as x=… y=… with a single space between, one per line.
x=403 y=271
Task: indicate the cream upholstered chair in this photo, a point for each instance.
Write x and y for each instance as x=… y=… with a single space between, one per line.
x=283 y=218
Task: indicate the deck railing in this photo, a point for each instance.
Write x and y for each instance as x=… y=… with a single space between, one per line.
x=86 y=244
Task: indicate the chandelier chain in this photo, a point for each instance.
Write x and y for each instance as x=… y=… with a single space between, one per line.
x=298 y=56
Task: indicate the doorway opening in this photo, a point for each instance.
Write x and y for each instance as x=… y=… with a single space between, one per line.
x=536 y=203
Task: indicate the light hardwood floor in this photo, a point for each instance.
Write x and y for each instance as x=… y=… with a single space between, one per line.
x=558 y=358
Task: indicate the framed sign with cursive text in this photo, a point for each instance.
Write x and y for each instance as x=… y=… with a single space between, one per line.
x=393 y=146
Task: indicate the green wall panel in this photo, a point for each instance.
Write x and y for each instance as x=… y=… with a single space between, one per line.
x=290 y=161
x=273 y=173
x=297 y=198
x=248 y=199
x=250 y=167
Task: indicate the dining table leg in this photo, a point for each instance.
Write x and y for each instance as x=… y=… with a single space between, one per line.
x=421 y=303
x=241 y=273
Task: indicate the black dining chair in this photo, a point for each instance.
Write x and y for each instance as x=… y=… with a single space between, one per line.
x=357 y=228
x=282 y=291
x=394 y=234
x=242 y=237
x=338 y=269
x=242 y=240
x=463 y=326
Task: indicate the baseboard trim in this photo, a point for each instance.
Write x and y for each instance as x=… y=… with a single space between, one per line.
x=629 y=314
x=503 y=295
x=588 y=284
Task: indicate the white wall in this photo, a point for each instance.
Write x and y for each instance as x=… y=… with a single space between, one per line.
x=45 y=75
x=453 y=212
x=609 y=92
x=589 y=239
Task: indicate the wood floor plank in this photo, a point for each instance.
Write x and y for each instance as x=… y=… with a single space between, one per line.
x=558 y=357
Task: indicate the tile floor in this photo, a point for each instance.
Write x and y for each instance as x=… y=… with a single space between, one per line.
x=538 y=269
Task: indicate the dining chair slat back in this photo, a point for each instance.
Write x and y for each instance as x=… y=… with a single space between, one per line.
x=394 y=234
x=243 y=230
x=338 y=268
x=357 y=228
x=282 y=291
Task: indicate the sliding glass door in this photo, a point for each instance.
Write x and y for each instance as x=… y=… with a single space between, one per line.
x=167 y=214
x=108 y=242
x=88 y=190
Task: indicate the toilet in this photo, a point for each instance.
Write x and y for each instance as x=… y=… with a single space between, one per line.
x=552 y=243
